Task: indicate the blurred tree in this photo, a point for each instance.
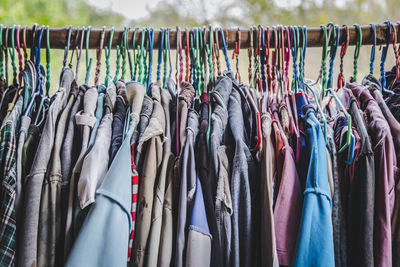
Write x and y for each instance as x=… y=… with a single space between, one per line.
x=57 y=13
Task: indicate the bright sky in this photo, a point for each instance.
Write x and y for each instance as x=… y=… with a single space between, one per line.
x=137 y=9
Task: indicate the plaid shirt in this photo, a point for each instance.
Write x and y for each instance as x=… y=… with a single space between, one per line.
x=8 y=168
x=135 y=187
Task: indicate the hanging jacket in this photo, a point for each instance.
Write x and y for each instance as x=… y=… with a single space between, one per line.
x=118 y=119
x=219 y=167
x=242 y=186
x=8 y=176
x=269 y=256
x=159 y=194
x=109 y=217
x=50 y=203
x=151 y=148
x=85 y=119
x=315 y=237
x=187 y=186
x=92 y=174
x=27 y=255
x=385 y=168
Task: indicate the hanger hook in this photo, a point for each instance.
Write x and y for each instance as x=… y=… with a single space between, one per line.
x=372 y=58
x=88 y=61
x=384 y=54
x=48 y=72
x=343 y=50
x=34 y=29
x=357 y=52
x=66 y=49
x=20 y=60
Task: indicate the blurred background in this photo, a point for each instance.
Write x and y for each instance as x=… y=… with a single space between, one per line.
x=192 y=13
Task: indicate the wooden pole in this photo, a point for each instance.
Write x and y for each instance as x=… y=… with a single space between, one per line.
x=58 y=36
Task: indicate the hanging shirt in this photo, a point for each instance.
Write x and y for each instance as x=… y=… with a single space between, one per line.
x=385 y=165
x=269 y=256
x=118 y=119
x=159 y=194
x=315 y=238
x=219 y=166
x=8 y=164
x=187 y=187
x=27 y=255
x=109 y=217
x=50 y=204
x=150 y=146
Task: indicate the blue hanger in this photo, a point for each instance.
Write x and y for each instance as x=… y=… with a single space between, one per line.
x=150 y=33
x=160 y=54
x=38 y=90
x=384 y=54
x=262 y=59
x=66 y=48
x=333 y=50
x=295 y=82
x=193 y=61
x=371 y=64
x=304 y=31
x=224 y=49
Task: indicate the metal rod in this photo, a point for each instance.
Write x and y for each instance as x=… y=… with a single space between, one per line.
x=58 y=36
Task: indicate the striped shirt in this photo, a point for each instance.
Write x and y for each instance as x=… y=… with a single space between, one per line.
x=135 y=186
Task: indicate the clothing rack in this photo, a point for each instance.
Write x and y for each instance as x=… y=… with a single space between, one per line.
x=58 y=36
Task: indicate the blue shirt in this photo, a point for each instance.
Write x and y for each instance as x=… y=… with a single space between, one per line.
x=315 y=238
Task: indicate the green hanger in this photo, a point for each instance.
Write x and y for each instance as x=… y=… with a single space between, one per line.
x=201 y=61
x=357 y=52
x=139 y=59
x=209 y=54
x=107 y=53
x=145 y=55
x=119 y=53
x=123 y=53
x=323 y=71
x=135 y=55
x=88 y=61
x=12 y=54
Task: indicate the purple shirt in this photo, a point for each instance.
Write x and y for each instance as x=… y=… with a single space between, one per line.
x=385 y=164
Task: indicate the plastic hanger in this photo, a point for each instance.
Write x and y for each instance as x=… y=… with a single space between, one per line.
x=295 y=51
x=20 y=62
x=194 y=58
x=224 y=50
x=79 y=54
x=235 y=55
x=216 y=52
x=335 y=32
x=372 y=58
x=33 y=38
x=150 y=33
x=343 y=50
x=88 y=61
x=249 y=55
x=135 y=55
x=6 y=56
x=98 y=57
x=263 y=86
x=23 y=45
x=124 y=52
x=160 y=54
x=200 y=63
x=128 y=52
x=48 y=73
x=357 y=52
x=107 y=52
x=384 y=54
x=38 y=90
x=187 y=77
x=66 y=48
x=139 y=60
x=303 y=56
x=165 y=57
x=117 y=62
x=209 y=56
x=268 y=94
x=145 y=55
x=12 y=55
